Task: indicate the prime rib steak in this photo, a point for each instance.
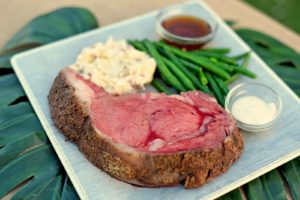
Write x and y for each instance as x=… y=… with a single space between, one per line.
x=148 y=139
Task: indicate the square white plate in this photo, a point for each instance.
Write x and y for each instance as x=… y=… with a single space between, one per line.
x=37 y=69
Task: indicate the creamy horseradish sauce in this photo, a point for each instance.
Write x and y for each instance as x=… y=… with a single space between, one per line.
x=253 y=110
x=115 y=66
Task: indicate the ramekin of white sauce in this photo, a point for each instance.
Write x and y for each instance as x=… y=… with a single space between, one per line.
x=255 y=106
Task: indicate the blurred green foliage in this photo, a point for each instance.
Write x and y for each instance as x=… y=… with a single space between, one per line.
x=284 y=11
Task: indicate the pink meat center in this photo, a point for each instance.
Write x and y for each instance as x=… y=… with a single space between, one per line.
x=155 y=122
x=147 y=123
x=122 y=118
x=171 y=119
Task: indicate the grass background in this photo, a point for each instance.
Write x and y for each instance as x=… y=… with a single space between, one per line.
x=286 y=12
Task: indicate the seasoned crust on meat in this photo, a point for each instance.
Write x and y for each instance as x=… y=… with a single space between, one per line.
x=192 y=168
x=68 y=112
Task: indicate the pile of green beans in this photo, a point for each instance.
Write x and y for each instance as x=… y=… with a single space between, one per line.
x=208 y=70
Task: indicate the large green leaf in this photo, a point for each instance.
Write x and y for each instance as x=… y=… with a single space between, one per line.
x=12 y=131
x=53 y=26
x=254 y=190
x=262 y=39
x=10 y=89
x=282 y=59
x=68 y=191
x=233 y=195
x=7 y=113
x=26 y=156
x=48 y=28
x=268 y=186
x=291 y=76
x=291 y=172
x=21 y=145
x=269 y=49
x=50 y=190
x=6 y=54
x=5 y=61
x=37 y=163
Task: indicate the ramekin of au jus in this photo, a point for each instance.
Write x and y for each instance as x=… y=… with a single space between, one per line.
x=185 y=27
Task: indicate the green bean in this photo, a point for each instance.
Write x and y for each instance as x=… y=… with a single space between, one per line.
x=243 y=69
x=217 y=56
x=216 y=50
x=137 y=45
x=166 y=50
x=243 y=65
x=179 y=63
x=245 y=72
x=180 y=75
x=222 y=85
x=202 y=77
x=158 y=84
x=195 y=80
x=225 y=66
x=195 y=69
x=207 y=65
x=172 y=62
x=240 y=56
x=246 y=60
x=199 y=82
x=190 y=65
x=215 y=88
x=233 y=78
x=188 y=74
x=163 y=69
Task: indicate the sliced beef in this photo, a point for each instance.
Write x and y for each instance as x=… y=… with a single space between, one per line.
x=146 y=139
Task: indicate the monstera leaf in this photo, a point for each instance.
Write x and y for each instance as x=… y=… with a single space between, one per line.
x=28 y=163
x=48 y=28
x=282 y=59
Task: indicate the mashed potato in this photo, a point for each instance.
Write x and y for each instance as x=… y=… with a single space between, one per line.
x=115 y=66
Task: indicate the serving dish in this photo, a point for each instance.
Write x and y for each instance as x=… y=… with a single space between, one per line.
x=37 y=68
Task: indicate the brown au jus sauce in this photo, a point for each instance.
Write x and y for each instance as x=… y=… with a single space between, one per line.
x=188 y=27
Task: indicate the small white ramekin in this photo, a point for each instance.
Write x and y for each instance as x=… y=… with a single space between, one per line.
x=258 y=90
